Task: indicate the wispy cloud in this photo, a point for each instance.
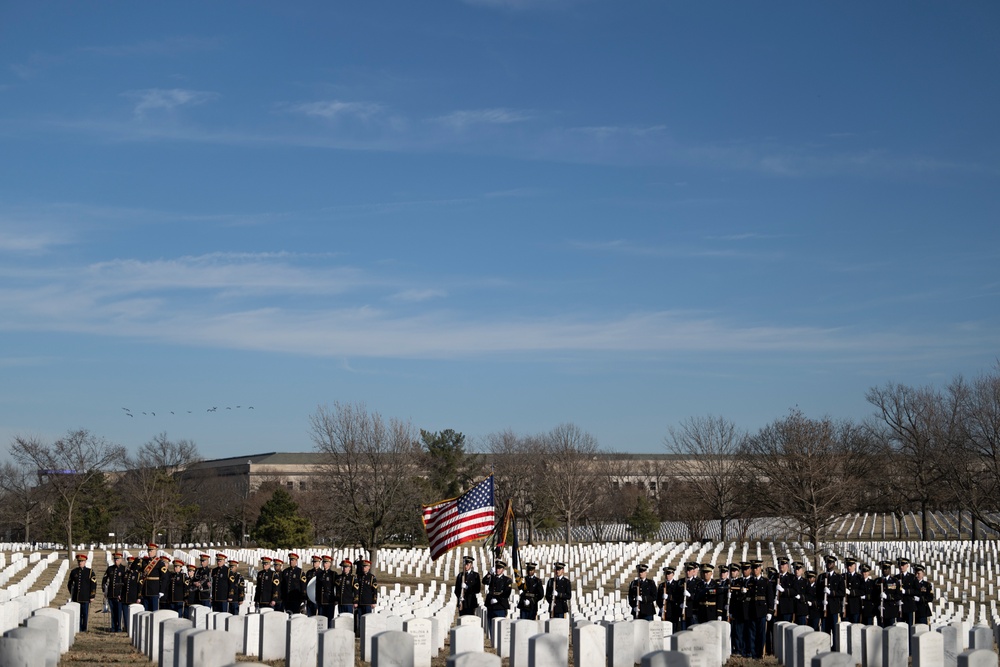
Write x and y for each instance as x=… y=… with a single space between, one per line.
x=460 y=120
x=417 y=295
x=333 y=109
x=622 y=247
x=167 y=99
x=31 y=242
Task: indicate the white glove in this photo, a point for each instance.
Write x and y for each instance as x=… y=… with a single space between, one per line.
x=687 y=593
x=809 y=604
x=638 y=598
x=798 y=597
x=464 y=586
x=160 y=595
x=780 y=589
x=863 y=597
x=769 y=617
x=493 y=600
x=826 y=590
x=884 y=596
x=917 y=598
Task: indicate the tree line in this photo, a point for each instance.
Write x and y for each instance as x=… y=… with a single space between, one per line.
x=921 y=449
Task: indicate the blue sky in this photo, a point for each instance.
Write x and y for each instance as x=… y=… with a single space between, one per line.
x=486 y=215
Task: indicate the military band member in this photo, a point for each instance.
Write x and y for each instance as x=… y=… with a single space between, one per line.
x=239 y=585
x=869 y=604
x=666 y=596
x=907 y=591
x=326 y=594
x=279 y=566
x=924 y=596
x=724 y=593
x=642 y=594
x=813 y=595
x=191 y=599
x=132 y=592
x=801 y=609
x=268 y=582
x=203 y=581
x=467 y=587
x=152 y=579
x=177 y=588
x=854 y=584
x=558 y=592
x=888 y=595
x=293 y=585
x=531 y=592
x=82 y=588
x=760 y=603
x=738 y=609
x=113 y=585
x=831 y=584
x=347 y=588
x=496 y=592
x=367 y=594
x=223 y=587
x=310 y=575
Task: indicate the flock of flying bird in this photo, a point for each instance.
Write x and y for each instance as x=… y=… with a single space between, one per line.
x=214 y=408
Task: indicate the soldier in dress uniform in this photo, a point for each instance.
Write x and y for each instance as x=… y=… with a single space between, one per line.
x=713 y=597
x=293 y=585
x=467 y=587
x=132 y=591
x=266 y=592
x=760 y=603
x=666 y=596
x=82 y=588
x=326 y=594
x=191 y=600
x=854 y=585
x=347 y=588
x=799 y=587
x=203 y=581
x=772 y=578
x=239 y=585
x=642 y=594
x=177 y=588
x=907 y=591
x=784 y=589
x=223 y=587
x=888 y=595
x=278 y=566
x=813 y=595
x=558 y=592
x=367 y=594
x=924 y=596
x=530 y=592
x=738 y=609
x=310 y=575
x=691 y=592
x=113 y=585
x=496 y=591
x=724 y=592
x=869 y=602
x=831 y=584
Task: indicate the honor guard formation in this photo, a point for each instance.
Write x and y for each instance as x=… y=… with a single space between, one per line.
x=156 y=582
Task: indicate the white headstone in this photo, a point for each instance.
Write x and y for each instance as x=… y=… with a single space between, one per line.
x=666 y=659
x=949 y=645
x=709 y=635
x=809 y=645
x=271 y=645
x=927 y=649
x=832 y=659
x=168 y=632
x=371 y=625
x=210 y=648
x=692 y=645
x=979 y=657
x=548 y=649
x=640 y=639
x=181 y=645
x=465 y=638
x=336 y=647
x=393 y=648
x=301 y=642
x=520 y=631
x=590 y=643
x=473 y=660
x=251 y=635
x=16 y=653
x=44 y=644
x=64 y=620
x=895 y=646
x=980 y=637
x=621 y=644
x=871 y=646
x=790 y=643
x=420 y=629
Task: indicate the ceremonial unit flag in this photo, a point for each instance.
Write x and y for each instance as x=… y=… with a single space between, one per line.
x=450 y=523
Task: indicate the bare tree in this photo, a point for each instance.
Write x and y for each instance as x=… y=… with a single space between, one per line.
x=517 y=474
x=67 y=465
x=569 y=475
x=152 y=485
x=22 y=498
x=916 y=429
x=973 y=463
x=707 y=450
x=808 y=470
x=369 y=468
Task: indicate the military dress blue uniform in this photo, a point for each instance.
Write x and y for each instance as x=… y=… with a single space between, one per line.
x=642 y=595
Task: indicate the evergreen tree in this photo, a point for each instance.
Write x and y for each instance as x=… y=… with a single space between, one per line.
x=643 y=519
x=279 y=525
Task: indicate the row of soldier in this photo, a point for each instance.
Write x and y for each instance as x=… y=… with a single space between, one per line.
x=150 y=581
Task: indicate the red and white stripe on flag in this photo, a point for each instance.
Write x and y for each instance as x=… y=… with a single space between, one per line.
x=450 y=523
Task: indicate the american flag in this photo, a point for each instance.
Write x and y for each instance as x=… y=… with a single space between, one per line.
x=452 y=522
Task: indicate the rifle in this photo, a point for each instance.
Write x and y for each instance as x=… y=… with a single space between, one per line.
x=881 y=599
x=684 y=604
x=635 y=609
